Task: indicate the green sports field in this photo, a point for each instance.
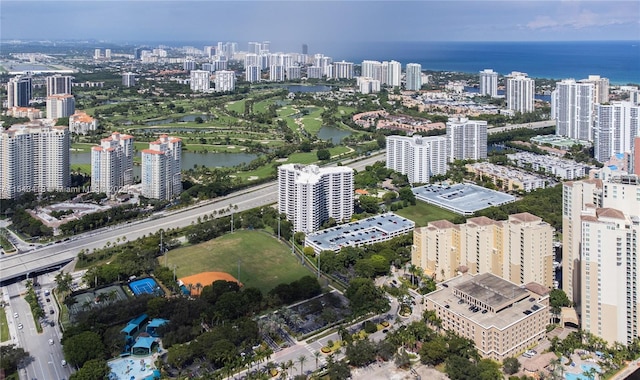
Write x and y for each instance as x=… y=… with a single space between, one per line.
x=264 y=261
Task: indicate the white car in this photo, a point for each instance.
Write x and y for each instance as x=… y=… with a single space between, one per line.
x=15 y=315
x=51 y=342
x=20 y=326
x=64 y=363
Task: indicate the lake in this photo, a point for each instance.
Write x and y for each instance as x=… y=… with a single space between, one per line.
x=334 y=134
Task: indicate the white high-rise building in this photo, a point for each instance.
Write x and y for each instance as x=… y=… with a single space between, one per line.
x=276 y=73
x=189 y=65
x=225 y=81
x=371 y=69
x=60 y=105
x=520 y=92
x=97 y=54
x=34 y=158
x=251 y=60
x=617 y=125
x=314 y=72
x=601 y=227
x=368 y=85
x=418 y=157
x=128 y=79
x=394 y=74
x=467 y=139
x=413 y=77
x=252 y=74
x=161 y=168
x=112 y=164
x=200 y=81
x=59 y=84
x=310 y=195
x=601 y=88
x=293 y=73
x=488 y=83
x=572 y=109
x=343 y=70
x=81 y=123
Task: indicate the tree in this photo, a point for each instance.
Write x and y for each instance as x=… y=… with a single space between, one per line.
x=364 y=296
x=83 y=347
x=510 y=365
x=434 y=352
x=91 y=370
x=369 y=204
x=323 y=154
x=63 y=282
x=337 y=370
x=10 y=357
x=361 y=352
x=302 y=359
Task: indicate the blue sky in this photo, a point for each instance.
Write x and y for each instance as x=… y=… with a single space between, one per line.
x=290 y=23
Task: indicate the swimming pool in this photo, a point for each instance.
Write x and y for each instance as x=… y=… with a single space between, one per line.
x=131 y=369
x=145 y=286
x=580 y=376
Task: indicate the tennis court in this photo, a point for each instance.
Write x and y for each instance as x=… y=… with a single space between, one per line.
x=145 y=286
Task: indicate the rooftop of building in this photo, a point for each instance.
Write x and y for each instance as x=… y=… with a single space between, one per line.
x=461 y=198
x=360 y=232
x=492 y=291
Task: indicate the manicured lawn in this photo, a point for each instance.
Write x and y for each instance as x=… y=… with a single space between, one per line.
x=82 y=168
x=264 y=262
x=82 y=147
x=237 y=106
x=423 y=213
x=4 y=326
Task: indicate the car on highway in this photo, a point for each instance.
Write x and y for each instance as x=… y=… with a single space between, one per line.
x=51 y=311
x=51 y=342
x=20 y=326
x=64 y=363
x=15 y=315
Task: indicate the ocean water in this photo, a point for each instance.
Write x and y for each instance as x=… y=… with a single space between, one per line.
x=617 y=60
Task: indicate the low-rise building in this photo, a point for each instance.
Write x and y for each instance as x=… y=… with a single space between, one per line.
x=500 y=317
x=508 y=179
x=82 y=123
x=554 y=166
x=368 y=231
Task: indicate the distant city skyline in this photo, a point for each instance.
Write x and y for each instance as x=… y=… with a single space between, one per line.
x=292 y=23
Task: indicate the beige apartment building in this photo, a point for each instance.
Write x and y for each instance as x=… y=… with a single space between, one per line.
x=519 y=249
x=502 y=318
x=601 y=227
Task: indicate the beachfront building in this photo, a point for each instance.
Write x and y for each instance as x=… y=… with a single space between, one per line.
x=413 y=80
x=394 y=73
x=418 y=157
x=467 y=139
x=601 y=88
x=310 y=195
x=616 y=126
x=572 y=109
x=519 y=92
x=601 y=224
x=488 y=83
x=519 y=249
x=112 y=164
x=161 y=165
x=34 y=157
x=225 y=81
x=60 y=105
x=501 y=317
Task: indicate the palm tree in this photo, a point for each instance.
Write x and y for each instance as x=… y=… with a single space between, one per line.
x=301 y=360
x=317 y=356
x=198 y=287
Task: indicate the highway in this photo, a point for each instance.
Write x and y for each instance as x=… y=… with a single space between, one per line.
x=55 y=255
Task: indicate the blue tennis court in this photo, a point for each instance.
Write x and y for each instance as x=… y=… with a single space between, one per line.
x=145 y=286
